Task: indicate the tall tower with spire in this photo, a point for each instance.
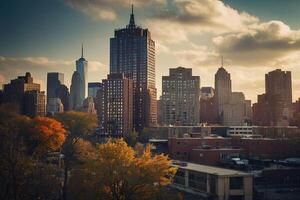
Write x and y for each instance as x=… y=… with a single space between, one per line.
x=82 y=69
x=132 y=52
x=222 y=90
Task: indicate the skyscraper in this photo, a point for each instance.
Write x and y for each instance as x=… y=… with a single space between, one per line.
x=54 y=80
x=62 y=92
x=117 y=105
x=54 y=105
x=88 y=106
x=93 y=89
x=26 y=95
x=180 y=97
x=234 y=110
x=208 y=107
x=82 y=69
x=222 y=91
x=132 y=52
x=274 y=108
x=34 y=103
x=279 y=97
x=75 y=92
x=230 y=105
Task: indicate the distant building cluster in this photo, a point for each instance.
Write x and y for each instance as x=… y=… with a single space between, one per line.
x=203 y=125
x=127 y=99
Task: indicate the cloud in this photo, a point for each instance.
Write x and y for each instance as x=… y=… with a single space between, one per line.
x=269 y=43
x=96 y=66
x=185 y=17
x=198 y=56
x=2 y=80
x=107 y=9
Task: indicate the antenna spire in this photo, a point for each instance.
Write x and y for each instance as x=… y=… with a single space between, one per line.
x=82 y=50
x=132 y=9
x=131 y=21
x=222 y=61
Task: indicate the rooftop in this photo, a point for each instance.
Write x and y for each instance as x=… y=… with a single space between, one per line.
x=211 y=170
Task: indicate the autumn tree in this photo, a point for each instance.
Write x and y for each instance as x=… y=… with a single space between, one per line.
x=116 y=172
x=22 y=176
x=44 y=135
x=78 y=125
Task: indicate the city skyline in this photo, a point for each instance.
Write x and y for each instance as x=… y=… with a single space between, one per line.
x=199 y=48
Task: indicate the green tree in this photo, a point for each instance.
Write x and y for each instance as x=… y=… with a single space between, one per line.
x=144 y=136
x=131 y=139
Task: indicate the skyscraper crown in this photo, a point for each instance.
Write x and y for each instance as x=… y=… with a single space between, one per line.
x=131 y=21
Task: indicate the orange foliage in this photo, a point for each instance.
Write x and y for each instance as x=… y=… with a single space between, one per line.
x=47 y=134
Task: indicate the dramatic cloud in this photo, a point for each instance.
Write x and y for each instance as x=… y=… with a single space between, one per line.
x=107 y=9
x=12 y=67
x=185 y=17
x=269 y=43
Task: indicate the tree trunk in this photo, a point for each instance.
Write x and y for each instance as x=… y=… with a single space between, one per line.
x=64 y=191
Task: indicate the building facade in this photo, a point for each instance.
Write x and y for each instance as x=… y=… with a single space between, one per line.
x=118 y=105
x=208 y=112
x=213 y=182
x=279 y=97
x=54 y=80
x=75 y=92
x=34 y=103
x=62 y=92
x=82 y=69
x=222 y=91
x=89 y=106
x=99 y=105
x=54 y=105
x=234 y=110
x=93 y=89
x=232 y=107
x=26 y=95
x=274 y=107
x=180 y=97
x=132 y=52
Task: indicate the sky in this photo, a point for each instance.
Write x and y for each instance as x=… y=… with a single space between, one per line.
x=253 y=36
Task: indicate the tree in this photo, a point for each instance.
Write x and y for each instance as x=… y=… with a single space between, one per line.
x=78 y=125
x=22 y=176
x=45 y=134
x=131 y=139
x=115 y=172
x=144 y=136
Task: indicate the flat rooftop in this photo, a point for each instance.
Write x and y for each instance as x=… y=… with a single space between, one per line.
x=210 y=169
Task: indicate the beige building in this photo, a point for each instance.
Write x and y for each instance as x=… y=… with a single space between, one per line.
x=213 y=182
x=234 y=110
x=88 y=105
x=54 y=105
x=180 y=97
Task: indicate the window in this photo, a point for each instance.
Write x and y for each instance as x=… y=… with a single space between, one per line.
x=179 y=177
x=198 y=181
x=236 y=183
x=236 y=197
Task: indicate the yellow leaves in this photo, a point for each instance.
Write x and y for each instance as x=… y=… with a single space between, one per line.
x=117 y=171
x=122 y=172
